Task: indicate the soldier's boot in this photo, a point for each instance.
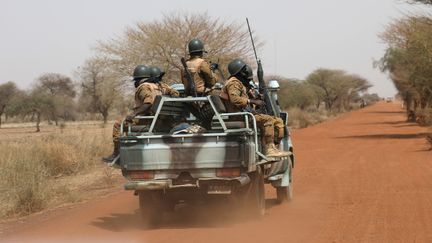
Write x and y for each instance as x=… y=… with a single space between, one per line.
x=115 y=153
x=272 y=151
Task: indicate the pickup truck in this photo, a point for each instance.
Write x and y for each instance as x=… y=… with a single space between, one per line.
x=166 y=168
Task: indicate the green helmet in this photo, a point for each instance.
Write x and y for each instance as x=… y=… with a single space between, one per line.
x=156 y=74
x=195 y=45
x=155 y=71
x=141 y=71
x=235 y=66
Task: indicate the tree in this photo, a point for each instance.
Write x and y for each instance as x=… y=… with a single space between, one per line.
x=32 y=103
x=427 y=2
x=296 y=93
x=7 y=92
x=164 y=42
x=408 y=60
x=336 y=86
x=61 y=90
x=100 y=87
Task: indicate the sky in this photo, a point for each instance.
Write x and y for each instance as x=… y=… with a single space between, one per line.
x=44 y=36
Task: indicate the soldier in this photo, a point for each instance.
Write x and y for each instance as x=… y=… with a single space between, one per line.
x=147 y=81
x=235 y=95
x=279 y=127
x=199 y=68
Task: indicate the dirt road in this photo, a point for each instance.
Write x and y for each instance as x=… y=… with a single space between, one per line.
x=364 y=177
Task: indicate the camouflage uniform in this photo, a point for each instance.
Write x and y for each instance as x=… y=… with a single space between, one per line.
x=279 y=127
x=235 y=93
x=146 y=94
x=201 y=73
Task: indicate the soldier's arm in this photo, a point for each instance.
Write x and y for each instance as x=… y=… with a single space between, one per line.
x=234 y=92
x=147 y=97
x=170 y=91
x=207 y=74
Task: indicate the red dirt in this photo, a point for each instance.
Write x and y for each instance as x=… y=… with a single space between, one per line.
x=364 y=177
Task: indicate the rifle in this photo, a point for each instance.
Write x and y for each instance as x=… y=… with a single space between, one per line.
x=216 y=67
x=189 y=79
x=267 y=108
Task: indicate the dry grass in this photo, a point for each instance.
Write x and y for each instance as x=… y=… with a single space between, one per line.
x=300 y=119
x=37 y=169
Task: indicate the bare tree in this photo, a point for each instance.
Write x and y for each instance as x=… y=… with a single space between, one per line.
x=101 y=88
x=164 y=42
x=7 y=92
x=427 y=2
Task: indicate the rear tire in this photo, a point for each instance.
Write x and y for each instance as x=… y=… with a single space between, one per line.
x=255 y=197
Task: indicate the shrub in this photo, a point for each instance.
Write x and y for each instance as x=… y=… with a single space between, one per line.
x=29 y=167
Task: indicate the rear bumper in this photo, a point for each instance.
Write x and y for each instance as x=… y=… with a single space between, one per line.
x=167 y=183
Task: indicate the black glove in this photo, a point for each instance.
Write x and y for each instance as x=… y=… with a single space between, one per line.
x=214 y=66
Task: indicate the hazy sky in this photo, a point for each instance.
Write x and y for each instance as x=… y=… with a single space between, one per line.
x=57 y=36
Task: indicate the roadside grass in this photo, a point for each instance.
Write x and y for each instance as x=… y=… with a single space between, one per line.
x=39 y=171
x=303 y=118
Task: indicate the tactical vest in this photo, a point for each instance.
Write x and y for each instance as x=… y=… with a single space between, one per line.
x=224 y=95
x=154 y=91
x=193 y=67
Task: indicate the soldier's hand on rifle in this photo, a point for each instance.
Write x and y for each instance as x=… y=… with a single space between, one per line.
x=256 y=102
x=214 y=66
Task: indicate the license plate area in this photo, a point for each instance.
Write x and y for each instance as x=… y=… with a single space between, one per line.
x=219 y=189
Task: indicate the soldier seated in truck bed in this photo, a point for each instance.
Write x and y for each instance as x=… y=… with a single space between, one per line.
x=236 y=99
x=147 y=81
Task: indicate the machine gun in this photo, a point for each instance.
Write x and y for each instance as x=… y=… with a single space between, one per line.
x=267 y=108
x=191 y=90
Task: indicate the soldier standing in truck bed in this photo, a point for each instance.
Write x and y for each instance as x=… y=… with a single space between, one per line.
x=199 y=68
x=235 y=97
x=147 y=81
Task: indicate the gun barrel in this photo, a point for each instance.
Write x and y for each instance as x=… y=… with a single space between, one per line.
x=253 y=43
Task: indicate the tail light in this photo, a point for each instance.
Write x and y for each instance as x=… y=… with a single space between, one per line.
x=228 y=172
x=141 y=174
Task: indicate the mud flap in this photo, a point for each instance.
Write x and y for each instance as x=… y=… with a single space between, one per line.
x=284 y=181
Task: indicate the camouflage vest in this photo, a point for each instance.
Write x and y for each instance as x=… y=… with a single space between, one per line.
x=224 y=95
x=193 y=67
x=154 y=90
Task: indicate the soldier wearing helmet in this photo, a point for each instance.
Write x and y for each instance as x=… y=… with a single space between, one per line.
x=200 y=69
x=235 y=96
x=147 y=81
